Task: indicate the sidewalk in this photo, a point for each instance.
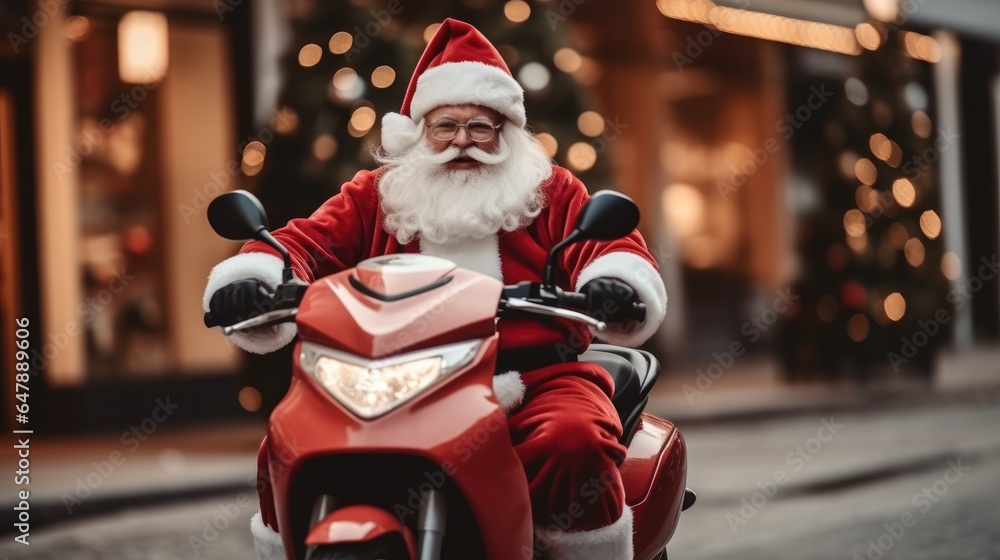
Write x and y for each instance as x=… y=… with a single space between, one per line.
x=78 y=477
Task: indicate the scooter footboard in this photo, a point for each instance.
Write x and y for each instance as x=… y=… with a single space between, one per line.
x=654 y=474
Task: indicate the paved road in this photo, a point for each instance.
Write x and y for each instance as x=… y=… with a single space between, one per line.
x=918 y=482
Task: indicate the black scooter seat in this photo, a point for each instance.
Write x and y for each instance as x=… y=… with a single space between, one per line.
x=634 y=372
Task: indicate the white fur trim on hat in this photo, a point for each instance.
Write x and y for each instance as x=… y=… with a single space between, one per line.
x=260 y=266
x=613 y=542
x=266 y=540
x=509 y=389
x=399 y=133
x=638 y=273
x=476 y=83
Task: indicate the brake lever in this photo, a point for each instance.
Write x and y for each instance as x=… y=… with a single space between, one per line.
x=276 y=316
x=522 y=305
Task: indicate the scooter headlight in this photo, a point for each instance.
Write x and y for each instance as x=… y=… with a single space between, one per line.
x=370 y=388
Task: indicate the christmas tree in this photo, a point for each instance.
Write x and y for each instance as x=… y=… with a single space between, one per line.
x=873 y=272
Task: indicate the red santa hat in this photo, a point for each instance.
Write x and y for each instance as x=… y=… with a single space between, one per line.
x=459 y=66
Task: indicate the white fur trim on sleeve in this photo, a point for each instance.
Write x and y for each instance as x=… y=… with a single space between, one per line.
x=266 y=540
x=613 y=542
x=458 y=83
x=399 y=133
x=260 y=266
x=509 y=389
x=645 y=280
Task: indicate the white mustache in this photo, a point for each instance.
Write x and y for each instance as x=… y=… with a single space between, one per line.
x=454 y=152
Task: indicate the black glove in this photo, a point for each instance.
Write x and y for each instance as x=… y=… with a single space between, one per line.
x=237 y=302
x=609 y=299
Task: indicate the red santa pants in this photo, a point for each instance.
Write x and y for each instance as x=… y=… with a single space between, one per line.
x=566 y=434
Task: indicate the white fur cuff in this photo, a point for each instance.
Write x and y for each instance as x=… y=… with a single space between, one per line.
x=638 y=273
x=509 y=389
x=267 y=541
x=613 y=542
x=260 y=266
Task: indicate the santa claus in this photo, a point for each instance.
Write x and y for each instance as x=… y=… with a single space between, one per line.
x=461 y=178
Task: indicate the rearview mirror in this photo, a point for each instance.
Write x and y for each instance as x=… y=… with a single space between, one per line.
x=237 y=215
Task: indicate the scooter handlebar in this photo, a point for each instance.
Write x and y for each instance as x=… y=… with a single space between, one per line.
x=637 y=311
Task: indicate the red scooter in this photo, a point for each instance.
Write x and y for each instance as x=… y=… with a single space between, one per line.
x=390 y=444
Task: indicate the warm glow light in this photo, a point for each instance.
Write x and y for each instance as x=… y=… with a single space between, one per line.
x=921 y=124
x=880 y=146
x=589 y=72
x=567 y=60
x=346 y=85
x=383 y=76
x=854 y=223
x=309 y=55
x=142 y=47
x=581 y=156
x=285 y=120
x=533 y=76
x=930 y=224
x=363 y=119
x=548 y=143
x=517 y=10
x=341 y=42
x=858 y=327
x=895 y=306
x=904 y=192
x=914 y=252
x=684 y=209
x=921 y=47
x=882 y=10
x=324 y=147
x=858 y=244
x=590 y=123
x=951 y=266
x=250 y=399
x=867 y=198
x=429 y=31
x=253 y=158
x=897 y=235
x=77 y=27
x=865 y=171
x=868 y=36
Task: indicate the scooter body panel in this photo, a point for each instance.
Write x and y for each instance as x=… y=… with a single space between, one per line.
x=359 y=523
x=457 y=426
x=654 y=475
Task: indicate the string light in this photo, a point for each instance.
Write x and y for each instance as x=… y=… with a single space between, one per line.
x=341 y=42
x=581 y=156
x=590 y=123
x=921 y=47
x=930 y=224
x=309 y=55
x=567 y=60
x=858 y=327
x=914 y=252
x=548 y=143
x=383 y=76
x=253 y=158
x=854 y=223
x=865 y=171
x=903 y=191
x=429 y=31
x=895 y=306
x=324 y=147
x=951 y=266
x=517 y=11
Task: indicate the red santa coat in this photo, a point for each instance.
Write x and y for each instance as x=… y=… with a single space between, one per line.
x=348 y=228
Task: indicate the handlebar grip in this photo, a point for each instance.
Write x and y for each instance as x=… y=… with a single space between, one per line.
x=574 y=299
x=210 y=321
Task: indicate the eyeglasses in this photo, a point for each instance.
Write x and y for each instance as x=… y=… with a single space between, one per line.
x=479 y=129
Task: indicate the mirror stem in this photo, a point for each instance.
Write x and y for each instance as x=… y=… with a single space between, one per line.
x=266 y=237
x=549 y=280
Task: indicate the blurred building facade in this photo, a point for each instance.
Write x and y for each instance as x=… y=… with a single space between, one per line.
x=819 y=179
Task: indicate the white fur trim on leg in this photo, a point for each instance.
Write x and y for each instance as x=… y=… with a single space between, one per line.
x=509 y=389
x=260 y=266
x=613 y=542
x=266 y=540
x=645 y=280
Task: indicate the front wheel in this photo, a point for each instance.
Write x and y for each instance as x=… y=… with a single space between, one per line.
x=374 y=550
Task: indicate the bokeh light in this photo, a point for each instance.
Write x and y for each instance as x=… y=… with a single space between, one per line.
x=590 y=123
x=858 y=327
x=548 y=143
x=930 y=224
x=914 y=252
x=310 y=55
x=854 y=223
x=581 y=156
x=951 y=266
x=517 y=11
x=250 y=399
x=895 y=306
x=903 y=191
x=341 y=42
x=866 y=172
x=567 y=60
x=534 y=76
x=383 y=76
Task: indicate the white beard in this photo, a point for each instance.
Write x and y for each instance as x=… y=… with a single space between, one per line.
x=422 y=198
